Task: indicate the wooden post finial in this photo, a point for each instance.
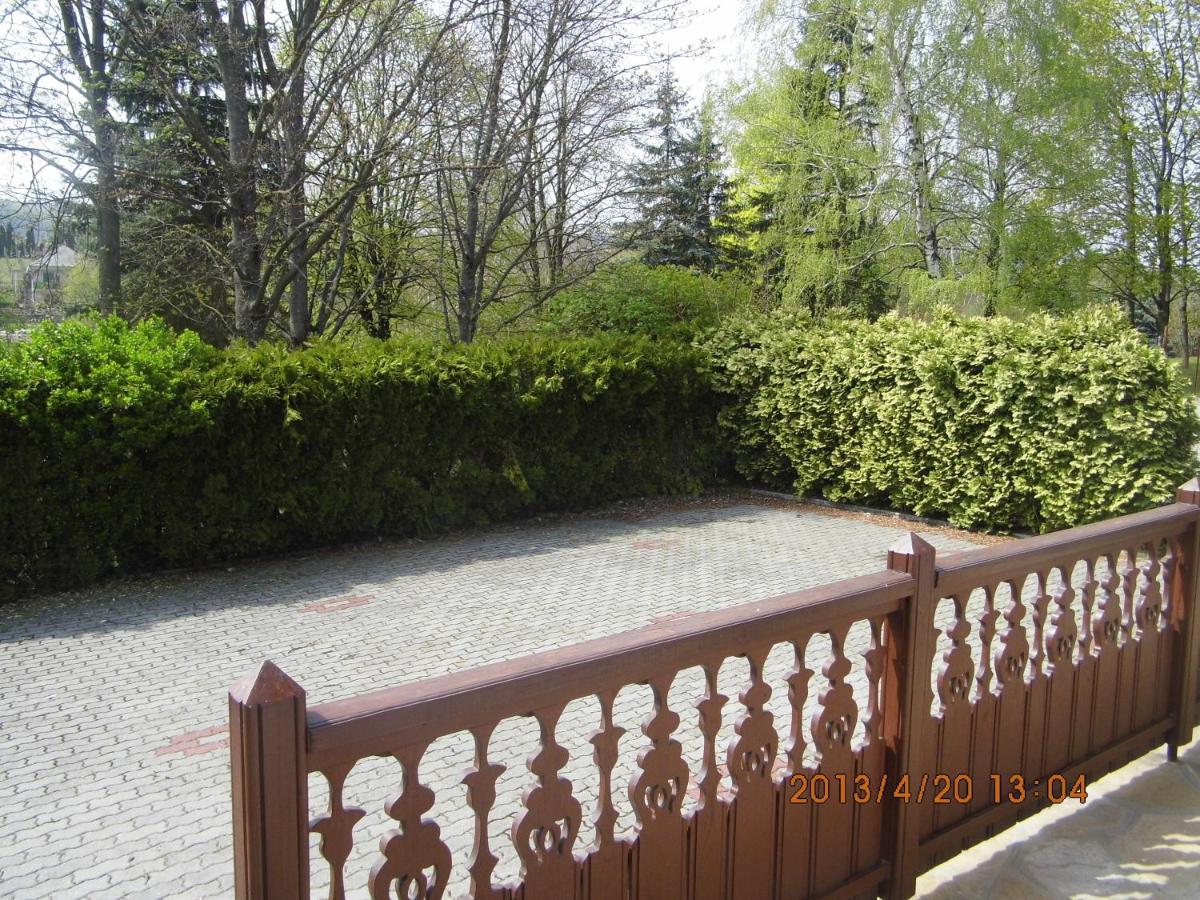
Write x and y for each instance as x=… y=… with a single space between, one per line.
x=267 y=739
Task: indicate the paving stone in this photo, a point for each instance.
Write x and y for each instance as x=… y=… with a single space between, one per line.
x=116 y=780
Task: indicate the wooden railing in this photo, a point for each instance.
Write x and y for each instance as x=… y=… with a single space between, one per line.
x=881 y=725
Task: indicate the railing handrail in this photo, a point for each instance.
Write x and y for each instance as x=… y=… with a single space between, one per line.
x=376 y=723
x=959 y=571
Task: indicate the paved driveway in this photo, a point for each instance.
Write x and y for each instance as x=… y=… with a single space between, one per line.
x=113 y=763
x=113 y=704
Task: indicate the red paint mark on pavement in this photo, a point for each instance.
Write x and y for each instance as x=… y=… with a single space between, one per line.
x=191 y=743
x=656 y=543
x=337 y=604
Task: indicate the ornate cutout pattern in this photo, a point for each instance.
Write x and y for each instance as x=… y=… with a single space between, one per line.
x=480 y=782
x=833 y=723
x=1058 y=668
x=1012 y=656
x=1063 y=633
x=656 y=792
x=337 y=830
x=958 y=668
x=752 y=754
x=544 y=834
x=415 y=864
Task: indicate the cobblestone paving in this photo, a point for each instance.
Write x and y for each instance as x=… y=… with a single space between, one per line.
x=114 y=699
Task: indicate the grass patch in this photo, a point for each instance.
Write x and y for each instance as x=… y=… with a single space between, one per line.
x=1191 y=371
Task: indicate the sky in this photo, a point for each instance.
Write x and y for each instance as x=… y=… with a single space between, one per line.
x=715 y=28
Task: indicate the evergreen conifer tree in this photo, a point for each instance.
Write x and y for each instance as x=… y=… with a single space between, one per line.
x=682 y=188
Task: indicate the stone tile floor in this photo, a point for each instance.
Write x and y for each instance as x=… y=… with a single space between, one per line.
x=1138 y=835
x=113 y=699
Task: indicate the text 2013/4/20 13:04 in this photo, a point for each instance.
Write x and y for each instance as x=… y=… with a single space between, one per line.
x=939 y=788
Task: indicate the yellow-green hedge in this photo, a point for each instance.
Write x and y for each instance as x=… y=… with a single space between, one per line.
x=991 y=423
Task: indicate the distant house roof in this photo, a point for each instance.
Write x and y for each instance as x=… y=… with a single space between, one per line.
x=61 y=257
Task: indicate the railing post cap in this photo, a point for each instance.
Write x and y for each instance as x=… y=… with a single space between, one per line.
x=1189 y=492
x=911 y=544
x=269 y=684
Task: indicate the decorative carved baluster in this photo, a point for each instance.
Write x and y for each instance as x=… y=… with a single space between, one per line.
x=1038 y=686
x=415 y=864
x=833 y=726
x=1012 y=656
x=751 y=759
x=956 y=674
x=752 y=754
x=337 y=829
x=1063 y=632
x=709 y=707
x=605 y=865
x=1148 y=612
x=708 y=824
x=481 y=797
x=798 y=681
x=1106 y=625
x=987 y=631
x=1148 y=617
x=873 y=658
x=834 y=720
x=1087 y=599
x=957 y=668
x=1040 y=604
x=796 y=818
x=984 y=705
x=605 y=741
x=1170 y=567
x=657 y=790
x=1083 y=714
x=1011 y=664
x=544 y=833
x=1127 y=658
x=1106 y=650
x=1060 y=639
x=872 y=763
x=656 y=793
x=1129 y=579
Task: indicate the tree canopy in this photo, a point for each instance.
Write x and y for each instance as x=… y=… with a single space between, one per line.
x=308 y=170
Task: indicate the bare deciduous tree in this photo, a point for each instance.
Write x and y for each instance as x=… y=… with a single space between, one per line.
x=525 y=143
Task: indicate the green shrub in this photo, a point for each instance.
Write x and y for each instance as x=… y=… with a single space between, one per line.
x=633 y=298
x=129 y=448
x=994 y=424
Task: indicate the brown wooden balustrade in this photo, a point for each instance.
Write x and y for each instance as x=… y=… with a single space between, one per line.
x=1068 y=654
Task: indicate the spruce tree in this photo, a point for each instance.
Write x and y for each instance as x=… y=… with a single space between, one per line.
x=681 y=188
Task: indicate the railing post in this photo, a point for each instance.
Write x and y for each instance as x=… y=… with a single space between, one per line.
x=267 y=734
x=906 y=700
x=1185 y=672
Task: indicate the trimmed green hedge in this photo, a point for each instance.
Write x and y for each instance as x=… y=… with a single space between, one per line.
x=634 y=298
x=129 y=449
x=132 y=448
x=991 y=423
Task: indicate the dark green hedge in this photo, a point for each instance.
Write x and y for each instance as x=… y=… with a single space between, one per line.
x=131 y=448
x=992 y=423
